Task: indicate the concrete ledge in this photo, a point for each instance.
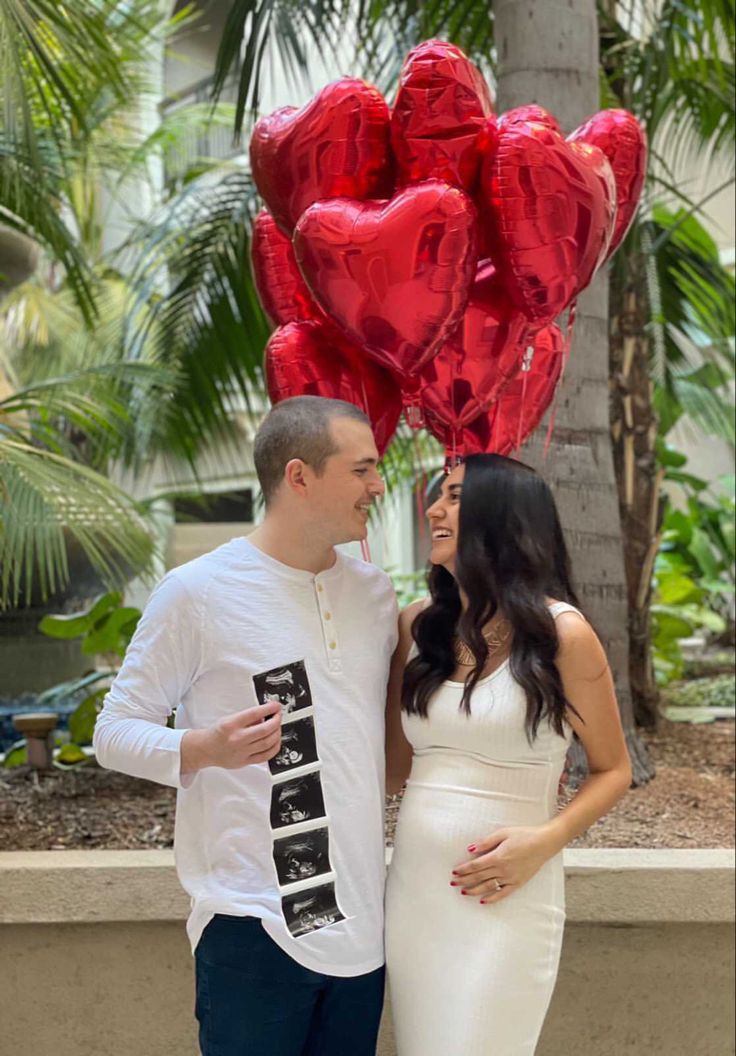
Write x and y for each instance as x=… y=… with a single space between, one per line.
x=608 y=886
x=647 y=962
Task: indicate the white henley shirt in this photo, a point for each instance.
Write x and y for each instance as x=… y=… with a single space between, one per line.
x=297 y=841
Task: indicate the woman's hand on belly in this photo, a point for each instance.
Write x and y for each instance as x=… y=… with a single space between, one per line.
x=503 y=863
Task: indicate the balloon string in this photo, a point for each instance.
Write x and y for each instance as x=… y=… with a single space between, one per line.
x=419 y=486
x=365 y=548
x=526 y=366
x=452 y=458
x=496 y=408
x=558 y=387
x=366 y=407
x=522 y=403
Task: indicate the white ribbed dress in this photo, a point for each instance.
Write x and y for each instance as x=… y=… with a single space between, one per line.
x=467 y=979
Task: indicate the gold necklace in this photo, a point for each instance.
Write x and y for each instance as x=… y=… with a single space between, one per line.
x=495 y=638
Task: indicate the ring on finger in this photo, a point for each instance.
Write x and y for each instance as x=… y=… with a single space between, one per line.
x=498 y=886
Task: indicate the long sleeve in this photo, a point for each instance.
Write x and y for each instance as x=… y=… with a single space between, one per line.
x=160 y=666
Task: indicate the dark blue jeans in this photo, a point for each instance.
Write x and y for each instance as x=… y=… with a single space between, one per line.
x=254 y=1000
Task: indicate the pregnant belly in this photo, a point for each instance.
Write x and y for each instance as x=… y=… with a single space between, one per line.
x=443 y=822
x=434 y=830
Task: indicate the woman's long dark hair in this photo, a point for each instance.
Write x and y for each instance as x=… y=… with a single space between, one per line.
x=511 y=557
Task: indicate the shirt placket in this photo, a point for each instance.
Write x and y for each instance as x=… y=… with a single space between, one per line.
x=329 y=626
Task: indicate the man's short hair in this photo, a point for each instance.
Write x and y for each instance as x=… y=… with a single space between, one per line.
x=298 y=428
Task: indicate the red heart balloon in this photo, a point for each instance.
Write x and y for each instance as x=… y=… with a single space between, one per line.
x=518 y=410
x=314 y=359
x=521 y=407
x=337 y=145
x=283 y=292
x=532 y=112
x=395 y=275
x=481 y=357
x=441 y=109
x=549 y=207
x=624 y=142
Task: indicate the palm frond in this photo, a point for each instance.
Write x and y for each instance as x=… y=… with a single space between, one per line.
x=371 y=38
x=692 y=322
x=194 y=304
x=32 y=202
x=87 y=413
x=46 y=499
x=672 y=64
x=61 y=65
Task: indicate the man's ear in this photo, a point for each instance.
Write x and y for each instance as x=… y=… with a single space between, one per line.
x=295 y=475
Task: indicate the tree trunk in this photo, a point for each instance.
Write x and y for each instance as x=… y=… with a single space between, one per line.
x=634 y=434
x=548 y=54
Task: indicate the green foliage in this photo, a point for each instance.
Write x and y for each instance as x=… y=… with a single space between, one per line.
x=106 y=627
x=714 y=692
x=16 y=755
x=409 y=587
x=694 y=575
x=48 y=497
x=105 y=368
x=718 y=662
x=70 y=755
x=693 y=324
x=63 y=67
x=68 y=751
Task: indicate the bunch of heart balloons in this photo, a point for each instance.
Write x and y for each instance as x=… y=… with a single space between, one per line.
x=418 y=257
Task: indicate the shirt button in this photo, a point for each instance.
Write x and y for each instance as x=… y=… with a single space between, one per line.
x=320 y=588
x=333 y=645
x=328 y=615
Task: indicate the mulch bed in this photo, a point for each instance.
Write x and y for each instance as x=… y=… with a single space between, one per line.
x=690 y=803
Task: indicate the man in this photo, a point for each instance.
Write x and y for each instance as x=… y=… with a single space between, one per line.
x=284 y=967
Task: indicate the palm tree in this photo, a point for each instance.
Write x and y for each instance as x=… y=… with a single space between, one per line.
x=579 y=461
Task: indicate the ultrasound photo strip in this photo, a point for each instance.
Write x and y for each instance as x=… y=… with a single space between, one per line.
x=298 y=747
x=311 y=910
x=302 y=856
x=288 y=684
x=297 y=799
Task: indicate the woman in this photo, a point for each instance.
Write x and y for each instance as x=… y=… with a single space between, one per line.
x=493 y=675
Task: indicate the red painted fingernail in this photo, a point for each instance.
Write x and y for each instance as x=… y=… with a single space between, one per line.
x=455 y=872
x=472 y=848
x=464 y=892
x=483 y=902
x=454 y=883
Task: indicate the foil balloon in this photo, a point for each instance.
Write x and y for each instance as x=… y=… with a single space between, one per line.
x=336 y=145
x=623 y=140
x=481 y=357
x=440 y=116
x=395 y=275
x=281 y=288
x=532 y=112
x=313 y=359
x=549 y=208
x=519 y=409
